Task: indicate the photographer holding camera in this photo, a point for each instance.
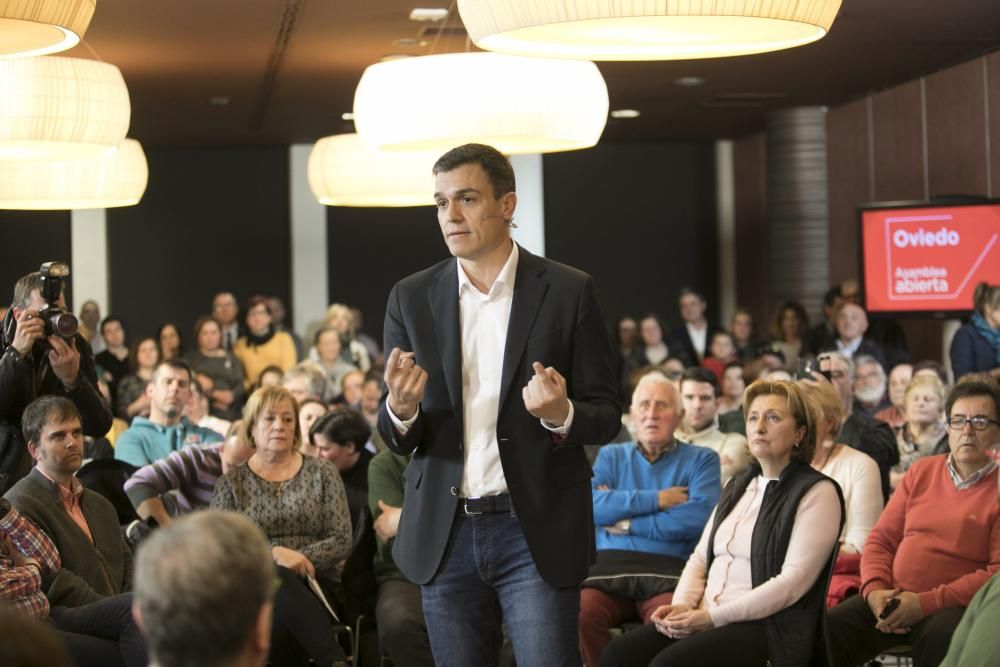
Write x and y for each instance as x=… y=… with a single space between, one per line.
x=41 y=353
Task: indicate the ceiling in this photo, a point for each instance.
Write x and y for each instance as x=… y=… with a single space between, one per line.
x=253 y=72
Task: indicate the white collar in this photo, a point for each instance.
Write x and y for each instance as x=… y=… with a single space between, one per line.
x=504 y=278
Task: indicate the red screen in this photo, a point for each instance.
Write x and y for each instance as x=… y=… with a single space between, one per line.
x=929 y=258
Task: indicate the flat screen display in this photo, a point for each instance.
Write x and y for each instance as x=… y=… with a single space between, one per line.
x=928 y=259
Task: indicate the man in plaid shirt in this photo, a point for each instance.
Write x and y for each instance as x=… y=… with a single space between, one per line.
x=100 y=633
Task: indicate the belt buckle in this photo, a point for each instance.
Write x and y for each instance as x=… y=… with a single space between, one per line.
x=465 y=507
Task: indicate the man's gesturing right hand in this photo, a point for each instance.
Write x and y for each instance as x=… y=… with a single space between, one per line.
x=405 y=382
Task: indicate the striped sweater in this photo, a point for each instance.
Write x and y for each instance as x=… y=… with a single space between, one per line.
x=191 y=472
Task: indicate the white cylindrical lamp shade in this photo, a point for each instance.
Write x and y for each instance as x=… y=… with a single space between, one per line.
x=55 y=107
x=113 y=179
x=344 y=171
x=517 y=105
x=37 y=27
x=645 y=29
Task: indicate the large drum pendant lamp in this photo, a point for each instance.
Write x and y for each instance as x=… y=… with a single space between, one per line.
x=344 y=171
x=645 y=29
x=117 y=178
x=55 y=107
x=37 y=27
x=516 y=104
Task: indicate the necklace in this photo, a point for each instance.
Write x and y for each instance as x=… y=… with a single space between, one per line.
x=278 y=487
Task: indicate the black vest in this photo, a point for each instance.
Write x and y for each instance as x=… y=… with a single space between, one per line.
x=796 y=635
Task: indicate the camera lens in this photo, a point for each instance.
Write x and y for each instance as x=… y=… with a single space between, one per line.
x=65 y=325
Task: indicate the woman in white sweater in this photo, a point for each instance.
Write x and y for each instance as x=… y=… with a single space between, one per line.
x=855 y=472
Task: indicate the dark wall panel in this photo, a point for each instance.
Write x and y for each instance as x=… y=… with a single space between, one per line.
x=993 y=82
x=27 y=239
x=956 y=131
x=211 y=220
x=640 y=218
x=370 y=249
x=848 y=185
x=750 y=213
x=898 y=143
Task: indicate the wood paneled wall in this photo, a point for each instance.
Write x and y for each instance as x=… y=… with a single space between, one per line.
x=938 y=135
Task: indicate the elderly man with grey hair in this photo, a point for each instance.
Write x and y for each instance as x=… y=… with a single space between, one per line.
x=869 y=385
x=872 y=436
x=204 y=592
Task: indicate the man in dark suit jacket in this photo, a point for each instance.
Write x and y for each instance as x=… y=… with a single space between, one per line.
x=500 y=370
x=692 y=307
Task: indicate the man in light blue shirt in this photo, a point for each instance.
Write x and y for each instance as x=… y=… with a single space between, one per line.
x=166 y=430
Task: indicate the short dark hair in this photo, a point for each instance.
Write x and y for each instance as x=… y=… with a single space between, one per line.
x=342 y=426
x=45 y=410
x=831 y=296
x=685 y=291
x=971 y=388
x=112 y=318
x=496 y=165
x=23 y=288
x=700 y=374
x=176 y=364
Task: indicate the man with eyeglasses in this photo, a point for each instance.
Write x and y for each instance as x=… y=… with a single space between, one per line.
x=935 y=545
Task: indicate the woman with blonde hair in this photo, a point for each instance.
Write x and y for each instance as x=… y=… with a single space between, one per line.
x=300 y=504
x=855 y=472
x=924 y=433
x=340 y=317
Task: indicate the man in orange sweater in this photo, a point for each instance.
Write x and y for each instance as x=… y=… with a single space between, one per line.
x=935 y=545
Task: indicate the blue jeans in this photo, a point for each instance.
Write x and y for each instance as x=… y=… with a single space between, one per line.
x=487 y=578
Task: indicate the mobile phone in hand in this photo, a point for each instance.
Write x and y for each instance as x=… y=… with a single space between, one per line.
x=890 y=607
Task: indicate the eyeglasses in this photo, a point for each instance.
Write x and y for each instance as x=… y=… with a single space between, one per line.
x=979 y=422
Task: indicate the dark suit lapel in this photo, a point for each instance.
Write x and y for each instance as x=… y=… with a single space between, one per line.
x=443 y=300
x=529 y=291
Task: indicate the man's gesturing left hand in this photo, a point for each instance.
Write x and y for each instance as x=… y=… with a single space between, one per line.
x=545 y=395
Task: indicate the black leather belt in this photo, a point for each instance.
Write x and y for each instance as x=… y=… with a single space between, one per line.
x=486 y=505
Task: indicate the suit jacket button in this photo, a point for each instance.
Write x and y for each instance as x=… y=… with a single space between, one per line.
x=454 y=491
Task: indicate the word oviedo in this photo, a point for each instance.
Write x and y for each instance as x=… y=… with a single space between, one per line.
x=925 y=239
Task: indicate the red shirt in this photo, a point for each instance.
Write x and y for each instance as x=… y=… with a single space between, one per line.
x=935 y=540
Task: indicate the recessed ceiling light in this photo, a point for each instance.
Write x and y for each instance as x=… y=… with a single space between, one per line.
x=428 y=14
x=220 y=100
x=689 y=81
x=625 y=113
x=410 y=41
x=347 y=115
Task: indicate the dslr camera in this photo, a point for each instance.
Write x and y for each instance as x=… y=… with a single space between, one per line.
x=58 y=322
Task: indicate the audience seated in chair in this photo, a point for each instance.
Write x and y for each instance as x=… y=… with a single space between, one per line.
x=184 y=480
x=83 y=525
x=402 y=630
x=300 y=504
x=99 y=633
x=204 y=592
x=167 y=429
x=652 y=498
x=754 y=588
x=935 y=545
x=699 y=392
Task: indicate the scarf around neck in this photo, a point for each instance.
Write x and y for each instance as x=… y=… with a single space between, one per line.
x=991 y=335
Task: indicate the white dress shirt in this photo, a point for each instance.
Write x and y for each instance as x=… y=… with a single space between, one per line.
x=483 y=320
x=699 y=339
